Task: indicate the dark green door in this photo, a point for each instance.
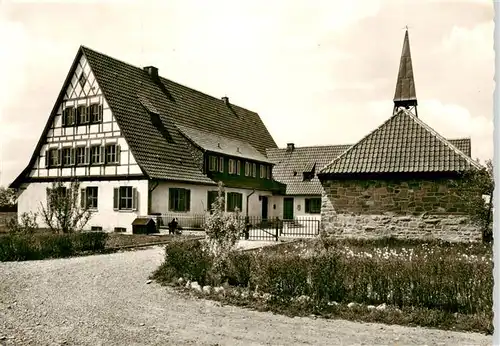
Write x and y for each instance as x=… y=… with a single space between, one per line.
x=264 y=207
x=288 y=208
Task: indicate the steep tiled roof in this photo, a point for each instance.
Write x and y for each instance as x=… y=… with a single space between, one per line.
x=220 y=144
x=148 y=110
x=403 y=144
x=462 y=144
x=290 y=165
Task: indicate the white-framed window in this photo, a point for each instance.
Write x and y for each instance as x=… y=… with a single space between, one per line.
x=125 y=198
x=89 y=197
x=68 y=116
x=68 y=156
x=179 y=199
x=254 y=170
x=212 y=163
x=53 y=158
x=248 y=169
x=96 y=155
x=238 y=167
x=112 y=152
x=83 y=115
x=81 y=155
x=221 y=164
x=262 y=171
x=95 y=113
x=232 y=166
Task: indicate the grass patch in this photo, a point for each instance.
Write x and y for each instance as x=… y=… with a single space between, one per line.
x=430 y=284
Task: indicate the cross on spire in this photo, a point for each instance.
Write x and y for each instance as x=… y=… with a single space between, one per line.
x=405 y=95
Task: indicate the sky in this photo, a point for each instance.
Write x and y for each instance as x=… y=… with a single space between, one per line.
x=317 y=72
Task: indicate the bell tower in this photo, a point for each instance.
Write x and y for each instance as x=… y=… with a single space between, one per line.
x=405 y=95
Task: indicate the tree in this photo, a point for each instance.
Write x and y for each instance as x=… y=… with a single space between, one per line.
x=222 y=231
x=65 y=211
x=7 y=197
x=478 y=198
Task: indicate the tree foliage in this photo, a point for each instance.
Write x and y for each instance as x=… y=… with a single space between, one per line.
x=65 y=212
x=7 y=197
x=478 y=198
x=223 y=229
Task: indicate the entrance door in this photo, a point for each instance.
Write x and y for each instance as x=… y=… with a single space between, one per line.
x=288 y=208
x=264 y=207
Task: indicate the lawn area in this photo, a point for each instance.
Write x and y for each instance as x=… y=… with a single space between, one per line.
x=431 y=284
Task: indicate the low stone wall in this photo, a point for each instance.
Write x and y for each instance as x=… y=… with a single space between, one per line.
x=453 y=228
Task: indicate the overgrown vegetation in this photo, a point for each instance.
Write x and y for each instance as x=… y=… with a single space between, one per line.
x=65 y=211
x=36 y=246
x=27 y=224
x=478 y=198
x=429 y=284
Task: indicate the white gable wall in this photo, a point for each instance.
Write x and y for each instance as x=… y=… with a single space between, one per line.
x=89 y=134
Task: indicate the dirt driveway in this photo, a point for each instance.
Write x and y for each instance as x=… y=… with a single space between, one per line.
x=104 y=300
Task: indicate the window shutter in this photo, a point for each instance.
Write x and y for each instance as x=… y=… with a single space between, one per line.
x=171 y=199
x=135 y=200
x=118 y=155
x=308 y=205
x=87 y=156
x=83 y=198
x=230 y=204
x=47 y=158
x=63 y=118
x=59 y=155
x=240 y=201
x=116 y=198
x=100 y=112
x=102 y=153
x=188 y=200
x=73 y=154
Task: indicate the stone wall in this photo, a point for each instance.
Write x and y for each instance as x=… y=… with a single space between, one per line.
x=425 y=209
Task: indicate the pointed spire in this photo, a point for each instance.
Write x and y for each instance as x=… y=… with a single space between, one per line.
x=405 y=95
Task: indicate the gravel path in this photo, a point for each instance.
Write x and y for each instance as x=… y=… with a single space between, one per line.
x=104 y=300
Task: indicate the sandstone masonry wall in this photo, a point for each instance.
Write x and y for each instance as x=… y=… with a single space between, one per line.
x=415 y=209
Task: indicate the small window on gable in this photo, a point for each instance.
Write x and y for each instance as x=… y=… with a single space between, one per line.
x=96 y=155
x=254 y=170
x=112 y=152
x=68 y=156
x=238 y=168
x=68 y=117
x=95 y=113
x=53 y=158
x=83 y=115
x=82 y=80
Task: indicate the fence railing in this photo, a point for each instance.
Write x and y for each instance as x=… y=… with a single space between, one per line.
x=256 y=227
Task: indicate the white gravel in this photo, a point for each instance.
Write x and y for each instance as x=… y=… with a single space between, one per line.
x=105 y=300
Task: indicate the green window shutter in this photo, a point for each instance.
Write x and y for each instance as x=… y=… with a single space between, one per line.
x=73 y=156
x=47 y=158
x=87 y=156
x=308 y=205
x=102 y=154
x=171 y=198
x=188 y=200
x=240 y=201
x=135 y=199
x=83 y=198
x=59 y=155
x=63 y=117
x=116 y=198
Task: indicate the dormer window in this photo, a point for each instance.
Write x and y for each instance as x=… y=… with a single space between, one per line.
x=309 y=171
x=212 y=163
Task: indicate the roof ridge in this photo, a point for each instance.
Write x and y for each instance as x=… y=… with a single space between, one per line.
x=441 y=138
x=169 y=80
x=313 y=146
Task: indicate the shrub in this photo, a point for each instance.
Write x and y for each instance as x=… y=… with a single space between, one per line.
x=239 y=269
x=186 y=259
x=23 y=247
x=28 y=224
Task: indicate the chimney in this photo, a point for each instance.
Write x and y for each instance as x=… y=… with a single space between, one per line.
x=290 y=147
x=152 y=71
x=225 y=99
